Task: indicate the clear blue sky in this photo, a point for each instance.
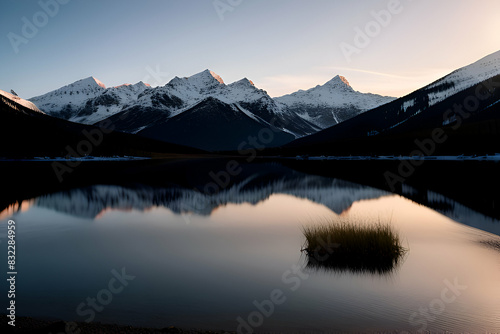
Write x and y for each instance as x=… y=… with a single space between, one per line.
x=281 y=45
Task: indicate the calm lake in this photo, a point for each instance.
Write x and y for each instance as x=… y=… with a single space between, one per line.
x=191 y=245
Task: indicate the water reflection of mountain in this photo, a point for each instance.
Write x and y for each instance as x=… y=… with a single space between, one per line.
x=89 y=202
x=465 y=193
x=459 y=212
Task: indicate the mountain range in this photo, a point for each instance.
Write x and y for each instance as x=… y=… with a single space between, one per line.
x=457 y=114
x=222 y=116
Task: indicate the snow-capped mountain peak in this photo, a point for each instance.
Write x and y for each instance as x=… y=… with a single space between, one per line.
x=244 y=91
x=69 y=96
x=205 y=77
x=141 y=85
x=242 y=83
x=195 y=87
x=88 y=86
x=90 y=81
x=331 y=103
x=335 y=92
x=99 y=83
x=135 y=88
x=338 y=82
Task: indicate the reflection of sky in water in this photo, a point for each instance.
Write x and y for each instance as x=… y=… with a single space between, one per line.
x=207 y=270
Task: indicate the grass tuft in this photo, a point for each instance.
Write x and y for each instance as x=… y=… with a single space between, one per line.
x=341 y=245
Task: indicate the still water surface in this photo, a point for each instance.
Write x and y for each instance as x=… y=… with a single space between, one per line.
x=205 y=266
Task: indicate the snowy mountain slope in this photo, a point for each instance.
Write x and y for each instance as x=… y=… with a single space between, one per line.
x=331 y=103
x=112 y=101
x=452 y=84
x=62 y=102
x=190 y=90
x=244 y=90
x=257 y=102
x=12 y=100
x=209 y=84
x=195 y=87
x=88 y=100
x=465 y=77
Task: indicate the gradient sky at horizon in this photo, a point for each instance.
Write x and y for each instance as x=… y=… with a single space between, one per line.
x=281 y=45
